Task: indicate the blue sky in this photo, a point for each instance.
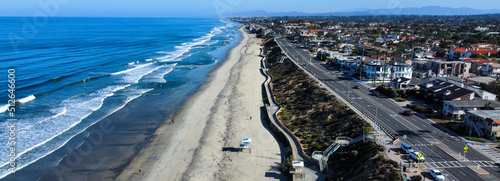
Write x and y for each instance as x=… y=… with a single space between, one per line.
x=201 y=8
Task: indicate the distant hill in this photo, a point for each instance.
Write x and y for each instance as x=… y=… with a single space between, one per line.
x=428 y=10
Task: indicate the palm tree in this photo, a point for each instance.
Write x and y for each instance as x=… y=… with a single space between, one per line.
x=487 y=106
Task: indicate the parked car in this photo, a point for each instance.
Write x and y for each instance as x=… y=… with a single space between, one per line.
x=408 y=112
x=436 y=174
x=414 y=155
x=406 y=148
x=357 y=87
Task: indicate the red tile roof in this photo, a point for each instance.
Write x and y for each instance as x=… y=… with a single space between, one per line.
x=478 y=61
x=483 y=51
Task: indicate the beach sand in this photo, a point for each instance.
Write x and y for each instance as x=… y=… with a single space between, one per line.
x=225 y=110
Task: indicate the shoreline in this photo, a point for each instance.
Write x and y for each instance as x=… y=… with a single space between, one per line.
x=218 y=116
x=164 y=133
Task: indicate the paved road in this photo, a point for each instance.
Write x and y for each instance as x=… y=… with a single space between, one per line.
x=435 y=144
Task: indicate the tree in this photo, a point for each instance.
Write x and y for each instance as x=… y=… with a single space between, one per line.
x=487 y=106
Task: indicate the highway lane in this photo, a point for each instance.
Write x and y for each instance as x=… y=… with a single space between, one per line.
x=494 y=171
x=419 y=132
x=461 y=174
x=424 y=128
x=391 y=120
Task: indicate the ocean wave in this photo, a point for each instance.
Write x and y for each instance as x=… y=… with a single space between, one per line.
x=4 y=108
x=137 y=93
x=75 y=110
x=157 y=76
x=211 y=42
x=27 y=99
x=64 y=110
x=23 y=100
x=130 y=69
x=185 y=47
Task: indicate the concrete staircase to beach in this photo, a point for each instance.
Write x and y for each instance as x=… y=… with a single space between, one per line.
x=323 y=156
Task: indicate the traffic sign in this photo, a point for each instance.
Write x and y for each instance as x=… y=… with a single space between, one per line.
x=419 y=155
x=465 y=148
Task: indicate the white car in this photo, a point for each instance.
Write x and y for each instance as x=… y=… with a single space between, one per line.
x=436 y=174
x=414 y=155
x=406 y=148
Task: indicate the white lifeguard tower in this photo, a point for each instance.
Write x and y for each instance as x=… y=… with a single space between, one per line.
x=245 y=144
x=297 y=170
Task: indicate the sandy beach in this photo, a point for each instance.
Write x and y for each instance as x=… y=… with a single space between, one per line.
x=225 y=110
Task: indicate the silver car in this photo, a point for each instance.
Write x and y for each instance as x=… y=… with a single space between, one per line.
x=436 y=174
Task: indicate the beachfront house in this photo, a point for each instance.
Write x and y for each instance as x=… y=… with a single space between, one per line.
x=445 y=90
x=378 y=71
x=457 y=109
x=381 y=71
x=484 y=123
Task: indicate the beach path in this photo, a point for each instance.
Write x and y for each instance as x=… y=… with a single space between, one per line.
x=203 y=142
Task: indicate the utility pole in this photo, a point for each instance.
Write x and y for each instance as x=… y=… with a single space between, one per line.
x=349 y=83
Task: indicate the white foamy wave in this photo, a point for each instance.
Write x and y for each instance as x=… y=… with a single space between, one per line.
x=59 y=113
x=158 y=75
x=211 y=42
x=130 y=69
x=23 y=100
x=27 y=99
x=136 y=75
x=136 y=94
x=185 y=47
x=4 y=108
x=75 y=110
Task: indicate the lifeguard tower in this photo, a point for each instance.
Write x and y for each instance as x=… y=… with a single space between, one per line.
x=245 y=144
x=297 y=170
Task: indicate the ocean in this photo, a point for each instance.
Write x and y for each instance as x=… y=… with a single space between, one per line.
x=71 y=73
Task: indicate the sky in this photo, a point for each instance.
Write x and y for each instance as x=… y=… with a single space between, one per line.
x=211 y=8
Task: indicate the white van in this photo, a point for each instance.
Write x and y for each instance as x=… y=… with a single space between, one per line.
x=406 y=148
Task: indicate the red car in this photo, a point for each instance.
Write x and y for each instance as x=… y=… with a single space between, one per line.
x=357 y=87
x=408 y=113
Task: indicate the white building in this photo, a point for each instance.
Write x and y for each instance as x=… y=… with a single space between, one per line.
x=380 y=71
x=402 y=70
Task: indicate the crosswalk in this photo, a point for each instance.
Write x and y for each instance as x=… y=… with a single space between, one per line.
x=492 y=152
x=485 y=163
x=445 y=164
x=456 y=164
x=422 y=145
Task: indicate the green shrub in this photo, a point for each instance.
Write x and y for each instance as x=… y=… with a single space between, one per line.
x=367 y=129
x=417 y=178
x=399 y=99
x=354 y=153
x=381 y=158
